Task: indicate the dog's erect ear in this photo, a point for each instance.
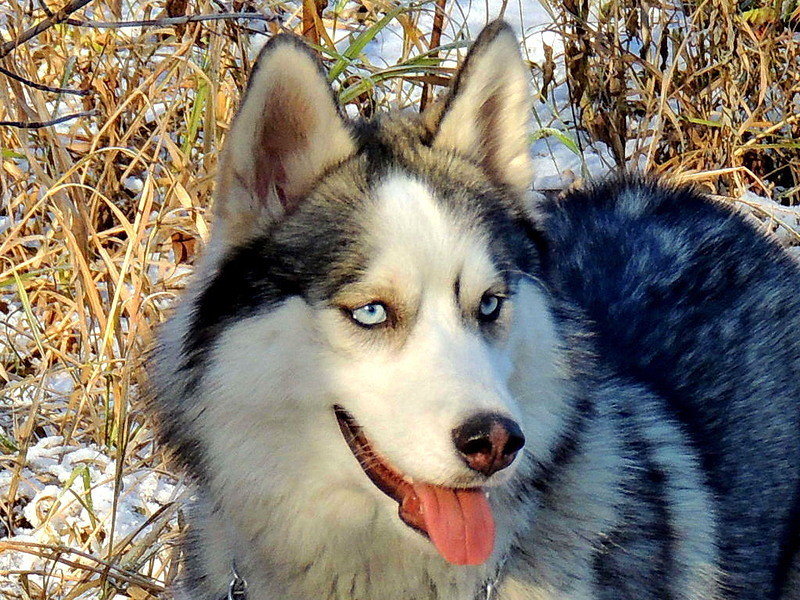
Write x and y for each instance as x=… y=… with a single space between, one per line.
x=486 y=115
x=287 y=132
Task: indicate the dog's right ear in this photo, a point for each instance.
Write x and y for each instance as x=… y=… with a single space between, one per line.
x=487 y=112
x=287 y=132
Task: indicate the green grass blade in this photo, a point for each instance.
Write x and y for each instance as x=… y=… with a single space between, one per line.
x=559 y=135
x=361 y=41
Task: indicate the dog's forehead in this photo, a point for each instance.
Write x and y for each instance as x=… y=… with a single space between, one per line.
x=416 y=236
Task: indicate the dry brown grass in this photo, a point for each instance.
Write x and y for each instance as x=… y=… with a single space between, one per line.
x=90 y=260
x=695 y=87
x=104 y=212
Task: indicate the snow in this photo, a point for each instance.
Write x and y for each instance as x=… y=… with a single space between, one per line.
x=556 y=166
x=68 y=495
x=783 y=221
x=134 y=184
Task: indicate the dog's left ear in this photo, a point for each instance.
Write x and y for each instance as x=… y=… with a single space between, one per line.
x=486 y=115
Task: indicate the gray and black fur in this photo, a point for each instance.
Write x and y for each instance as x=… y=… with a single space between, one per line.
x=663 y=461
x=687 y=297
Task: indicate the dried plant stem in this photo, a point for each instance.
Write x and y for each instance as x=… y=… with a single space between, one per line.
x=41 y=87
x=171 y=21
x=436 y=41
x=310 y=17
x=43 y=25
x=104 y=567
x=43 y=124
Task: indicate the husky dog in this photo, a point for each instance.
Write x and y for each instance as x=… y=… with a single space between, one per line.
x=392 y=379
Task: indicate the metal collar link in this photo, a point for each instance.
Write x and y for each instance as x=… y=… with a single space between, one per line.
x=489 y=589
x=237 y=588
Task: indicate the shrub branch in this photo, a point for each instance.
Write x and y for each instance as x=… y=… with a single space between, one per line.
x=43 y=124
x=43 y=25
x=168 y=21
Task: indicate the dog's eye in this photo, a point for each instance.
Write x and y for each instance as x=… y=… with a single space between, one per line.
x=370 y=314
x=490 y=307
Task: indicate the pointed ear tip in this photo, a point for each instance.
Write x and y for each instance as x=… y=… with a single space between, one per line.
x=287 y=42
x=496 y=29
x=496 y=39
x=284 y=57
x=284 y=39
x=499 y=25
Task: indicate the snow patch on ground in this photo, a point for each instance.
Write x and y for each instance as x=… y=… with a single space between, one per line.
x=71 y=496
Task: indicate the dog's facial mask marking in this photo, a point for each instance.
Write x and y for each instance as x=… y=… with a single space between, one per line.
x=286 y=137
x=436 y=372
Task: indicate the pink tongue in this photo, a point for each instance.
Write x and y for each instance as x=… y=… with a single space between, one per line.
x=459 y=523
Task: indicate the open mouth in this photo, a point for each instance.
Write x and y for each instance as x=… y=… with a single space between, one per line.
x=458 y=521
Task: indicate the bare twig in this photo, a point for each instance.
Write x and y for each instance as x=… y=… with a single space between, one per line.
x=436 y=41
x=43 y=124
x=45 y=8
x=171 y=20
x=47 y=23
x=42 y=87
x=57 y=553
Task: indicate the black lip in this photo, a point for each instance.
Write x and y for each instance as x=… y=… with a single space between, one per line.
x=385 y=478
x=380 y=473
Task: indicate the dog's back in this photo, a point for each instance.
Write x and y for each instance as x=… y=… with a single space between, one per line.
x=691 y=300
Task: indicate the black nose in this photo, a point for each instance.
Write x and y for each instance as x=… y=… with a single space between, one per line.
x=488 y=442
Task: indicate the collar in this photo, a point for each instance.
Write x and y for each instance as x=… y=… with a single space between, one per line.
x=237 y=587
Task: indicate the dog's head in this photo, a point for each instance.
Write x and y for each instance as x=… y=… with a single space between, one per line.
x=371 y=315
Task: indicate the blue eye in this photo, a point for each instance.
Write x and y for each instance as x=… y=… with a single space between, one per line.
x=370 y=314
x=489 y=308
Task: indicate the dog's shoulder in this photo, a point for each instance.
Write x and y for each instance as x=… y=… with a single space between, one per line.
x=667 y=227
x=673 y=266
